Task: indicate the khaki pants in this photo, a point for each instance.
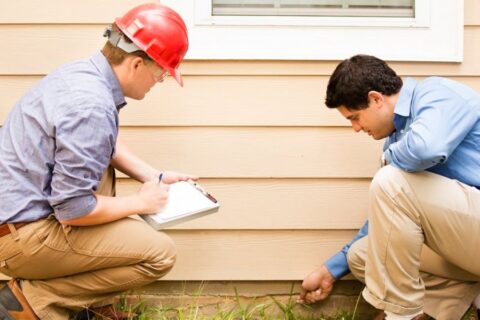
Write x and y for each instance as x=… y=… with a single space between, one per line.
x=70 y=268
x=423 y=244
x=449 y=290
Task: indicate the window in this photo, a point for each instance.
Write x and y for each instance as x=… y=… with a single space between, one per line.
x=342 y=8
x=401 y=30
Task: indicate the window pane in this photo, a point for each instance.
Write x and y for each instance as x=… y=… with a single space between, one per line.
x=360 y=8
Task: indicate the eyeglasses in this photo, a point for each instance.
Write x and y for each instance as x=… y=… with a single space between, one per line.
x=157 y=72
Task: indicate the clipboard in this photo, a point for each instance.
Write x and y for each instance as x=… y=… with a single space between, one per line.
x=187 y=200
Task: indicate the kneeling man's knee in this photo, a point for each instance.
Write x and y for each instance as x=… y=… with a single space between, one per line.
x=164 y=257
x=386 y=180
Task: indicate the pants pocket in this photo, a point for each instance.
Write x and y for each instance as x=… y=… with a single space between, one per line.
x=9 y=250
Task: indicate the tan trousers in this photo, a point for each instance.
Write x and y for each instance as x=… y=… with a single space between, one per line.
x=423 y=244
x=66 y=269
x=449 y=290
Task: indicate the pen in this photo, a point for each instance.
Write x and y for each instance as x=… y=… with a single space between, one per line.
x=160 y=177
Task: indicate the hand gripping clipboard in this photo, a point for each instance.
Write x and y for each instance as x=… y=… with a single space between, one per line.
x=187 y=200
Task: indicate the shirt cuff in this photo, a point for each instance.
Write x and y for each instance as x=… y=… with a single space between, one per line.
x=75 y=207
x=338 y=265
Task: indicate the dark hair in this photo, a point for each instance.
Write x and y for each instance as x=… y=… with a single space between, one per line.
x=115 y=56
x=353 y=78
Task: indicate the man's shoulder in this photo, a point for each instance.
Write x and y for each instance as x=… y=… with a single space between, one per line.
x=83 y=83
x=438 y=88
x=434 y=88
x=436 y=82
x=431 y=82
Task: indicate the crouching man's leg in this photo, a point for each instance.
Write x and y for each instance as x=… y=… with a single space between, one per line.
x=407 y=211
x=74 y=268
x=356 y=257
x=449 y=290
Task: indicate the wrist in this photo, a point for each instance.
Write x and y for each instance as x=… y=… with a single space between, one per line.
x=328 y=275
x=151 y=175
x=138 y=204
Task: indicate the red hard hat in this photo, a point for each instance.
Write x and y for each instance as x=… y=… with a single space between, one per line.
x=158 y=31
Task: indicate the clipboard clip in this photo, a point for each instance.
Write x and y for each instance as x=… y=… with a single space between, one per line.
x=202 y=190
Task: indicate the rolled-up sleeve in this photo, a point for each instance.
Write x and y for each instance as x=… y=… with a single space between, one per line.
x=85 y=142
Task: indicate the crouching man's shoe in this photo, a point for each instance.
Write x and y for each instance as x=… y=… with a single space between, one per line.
x=107 y=312
x=13 y=304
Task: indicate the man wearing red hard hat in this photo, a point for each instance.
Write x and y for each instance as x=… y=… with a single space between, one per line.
x=65 y=240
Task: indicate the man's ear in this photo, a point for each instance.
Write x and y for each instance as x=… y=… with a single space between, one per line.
x=375 y=98
x=135 y=63
x=129 y=67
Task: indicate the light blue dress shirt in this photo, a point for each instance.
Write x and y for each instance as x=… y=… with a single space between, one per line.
x=437 y=129
x=57 y=141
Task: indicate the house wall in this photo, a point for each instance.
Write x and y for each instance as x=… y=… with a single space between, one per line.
x=291 y=176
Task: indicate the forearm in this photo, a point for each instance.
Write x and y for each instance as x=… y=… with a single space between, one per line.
x=109 y=209
x=132 y=165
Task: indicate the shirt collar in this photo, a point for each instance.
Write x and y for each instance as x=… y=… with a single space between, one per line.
x=404 y=102
x=106 y=70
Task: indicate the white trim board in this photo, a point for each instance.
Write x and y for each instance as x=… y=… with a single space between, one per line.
x=435 y=34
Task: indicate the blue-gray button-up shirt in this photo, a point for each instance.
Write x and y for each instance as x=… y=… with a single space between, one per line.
x=58 y=140
x=437 y=129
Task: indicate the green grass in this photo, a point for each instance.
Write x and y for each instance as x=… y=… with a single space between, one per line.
x=273 y=309
x=251 y=311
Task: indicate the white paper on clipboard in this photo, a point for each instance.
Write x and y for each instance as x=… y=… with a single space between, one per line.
x=186 y=200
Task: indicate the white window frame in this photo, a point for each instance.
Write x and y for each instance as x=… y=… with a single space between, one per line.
x=435 y=34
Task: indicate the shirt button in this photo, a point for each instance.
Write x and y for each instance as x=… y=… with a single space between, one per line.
x=402 y=131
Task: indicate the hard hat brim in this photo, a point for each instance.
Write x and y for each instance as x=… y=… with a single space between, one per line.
x=175 y=73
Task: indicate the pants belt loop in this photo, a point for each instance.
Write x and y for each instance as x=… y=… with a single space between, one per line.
x=13 y=231
x=66 y=228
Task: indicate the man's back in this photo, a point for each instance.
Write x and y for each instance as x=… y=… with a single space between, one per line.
x=45 y=131
x=437 y=129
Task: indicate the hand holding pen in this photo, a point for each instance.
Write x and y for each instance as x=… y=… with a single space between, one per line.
x=153 y=195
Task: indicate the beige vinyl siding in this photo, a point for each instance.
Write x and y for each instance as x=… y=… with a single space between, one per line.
x=472 y=13
x=252 y=254
x=252 y=152
x=37 y=49
x=242 y=100
x=330 y=206
x=64 y=11
x=291 y=176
